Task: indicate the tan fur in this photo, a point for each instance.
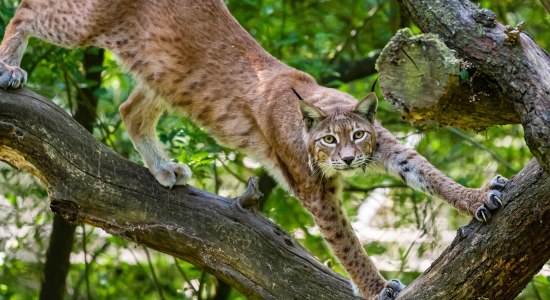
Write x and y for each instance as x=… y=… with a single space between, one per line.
x=192 y=57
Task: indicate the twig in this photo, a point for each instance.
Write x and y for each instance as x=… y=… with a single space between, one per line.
x=201 y=285
x=96 y=254
x=354 y=32
x=155 y=279
x=86 y=265
x=482 y=147
x=239 y=178
x=182 y=272
x=252 y=195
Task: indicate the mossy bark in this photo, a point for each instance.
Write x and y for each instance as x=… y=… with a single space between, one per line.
x=511 y=59
x=425 y=81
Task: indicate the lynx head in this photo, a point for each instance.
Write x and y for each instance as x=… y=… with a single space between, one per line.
x=343 y=140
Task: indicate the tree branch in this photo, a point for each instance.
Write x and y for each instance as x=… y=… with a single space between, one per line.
x=353 y=70
x=87 y=182
x=495 y=260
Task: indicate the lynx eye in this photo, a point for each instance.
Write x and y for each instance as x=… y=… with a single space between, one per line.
x=359 y=134
x=329 y=139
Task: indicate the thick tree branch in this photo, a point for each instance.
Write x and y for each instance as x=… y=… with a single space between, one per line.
x=87 y=182
x=498 y=259
x=512 y=59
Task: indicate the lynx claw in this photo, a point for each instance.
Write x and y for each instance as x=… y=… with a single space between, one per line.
x=11 y=77
x=172 y=173
x=496 y=198
x=483 y=214
x=498 y=183
x=493 y=200
x=390 y=291
x=183 y=173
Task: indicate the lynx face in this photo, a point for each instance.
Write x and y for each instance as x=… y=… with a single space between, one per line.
x=343 y=141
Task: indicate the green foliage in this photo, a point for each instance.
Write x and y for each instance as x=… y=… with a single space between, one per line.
x=311 y=35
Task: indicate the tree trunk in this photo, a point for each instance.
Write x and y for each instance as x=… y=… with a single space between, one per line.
x=428 y=85
x=504 y=54
x=496 y=260
x=57 y=262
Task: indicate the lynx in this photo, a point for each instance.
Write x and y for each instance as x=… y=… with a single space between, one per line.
x=193 y=57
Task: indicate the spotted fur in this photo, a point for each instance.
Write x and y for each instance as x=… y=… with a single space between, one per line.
x=343 y=141
x=192 y=57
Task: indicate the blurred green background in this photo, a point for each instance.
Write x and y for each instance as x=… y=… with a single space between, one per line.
x=402 y=229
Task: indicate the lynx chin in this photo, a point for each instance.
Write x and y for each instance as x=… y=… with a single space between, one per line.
x=193 y=58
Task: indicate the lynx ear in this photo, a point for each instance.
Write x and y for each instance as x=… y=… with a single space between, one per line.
x=367 y=107
x=310 y=114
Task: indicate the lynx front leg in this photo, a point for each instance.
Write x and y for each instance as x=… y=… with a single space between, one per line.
x=418 y=173
x=11 y=51
x=140 y=114
x=323 y=204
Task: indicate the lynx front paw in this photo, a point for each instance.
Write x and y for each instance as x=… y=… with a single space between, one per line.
x=390 y=291
x=493 y=198
x=11 y=77
x=171 y=173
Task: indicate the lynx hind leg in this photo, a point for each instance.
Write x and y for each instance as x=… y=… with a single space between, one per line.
x=58 y=22
x=492 y=198
x=390 y=291
x=140 y=114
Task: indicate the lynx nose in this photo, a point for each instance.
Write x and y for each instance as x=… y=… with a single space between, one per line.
x=348 y=159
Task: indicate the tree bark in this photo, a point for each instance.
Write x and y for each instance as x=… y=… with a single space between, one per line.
x=496 y=260
x=511 y=58
x=428 y=85
x=87 y=182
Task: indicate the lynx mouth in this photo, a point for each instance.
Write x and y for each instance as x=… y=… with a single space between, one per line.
x=357 y=164
x=349 y=169
x=331 y=168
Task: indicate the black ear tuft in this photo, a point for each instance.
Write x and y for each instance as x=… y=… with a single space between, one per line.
x=367 y=107
x=310 y=114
